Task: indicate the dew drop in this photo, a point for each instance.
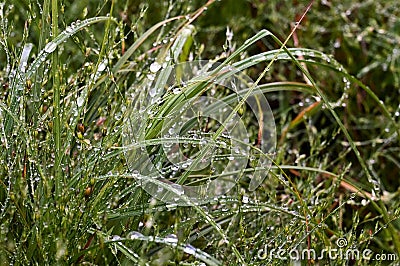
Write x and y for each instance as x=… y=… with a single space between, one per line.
x=376 y=185
x=50 y=47
x=189 y=249
x=150 y=76
x=171 y=238
x=152 y=92
x=336 y=44
x=155 y=67
x=80 y=101
x=102 y=66
x=245 y=199
x=69 y=29
x=176 y=91
x=135 y=235
x=364 y=202
x=116 y=238
x=178 y=189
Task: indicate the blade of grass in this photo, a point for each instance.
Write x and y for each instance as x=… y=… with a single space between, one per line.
x=139 y=42
x=56 y=104
x=379 y=206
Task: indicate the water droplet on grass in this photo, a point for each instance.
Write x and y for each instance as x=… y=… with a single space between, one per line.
x=337 y=44
x=245 y=199
x=376 y=185
x=116 y=238
x=152 y=92
x=80 y=101
x=171 y=238
x=189 y=249
x=155 y=67
x=69 y=30
x=102 y=66
x=50 y=47
x=178 y=189
x=135 y=235
x=176 y=91
x=150 y=76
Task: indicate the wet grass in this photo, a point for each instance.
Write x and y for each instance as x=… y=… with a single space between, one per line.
x=73 y=77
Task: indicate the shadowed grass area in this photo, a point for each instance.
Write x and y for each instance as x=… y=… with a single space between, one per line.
x=74 y=75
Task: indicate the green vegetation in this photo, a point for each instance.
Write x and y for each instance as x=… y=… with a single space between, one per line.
x=72 y=71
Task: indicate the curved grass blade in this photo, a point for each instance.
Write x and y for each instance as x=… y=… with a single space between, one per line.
x=205 y=215
x=379 y=206
x=139 y=42
x=48 y=49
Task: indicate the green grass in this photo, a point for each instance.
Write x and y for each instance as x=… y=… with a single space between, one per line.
x=75 y=79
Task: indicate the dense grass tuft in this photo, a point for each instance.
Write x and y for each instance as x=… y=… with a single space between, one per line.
x=75 y=75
